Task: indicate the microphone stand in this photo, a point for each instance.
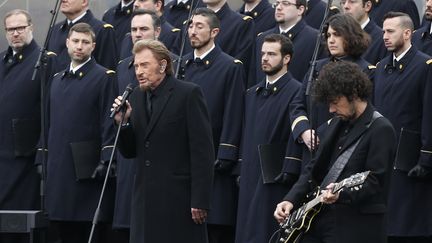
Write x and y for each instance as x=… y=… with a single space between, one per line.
x=96 y=214
x=41 y=67
x=180 y=72
x=311 y=77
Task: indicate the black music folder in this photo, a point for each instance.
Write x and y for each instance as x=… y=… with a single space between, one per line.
x=271 y=160
x=86 y=156
x=408 y=150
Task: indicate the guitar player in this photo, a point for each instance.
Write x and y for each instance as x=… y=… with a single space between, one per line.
x=356 y=139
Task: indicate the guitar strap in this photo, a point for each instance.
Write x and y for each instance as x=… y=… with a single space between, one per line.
x=342 y=160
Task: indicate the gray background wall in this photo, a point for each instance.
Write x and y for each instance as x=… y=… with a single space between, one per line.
x=40 y=11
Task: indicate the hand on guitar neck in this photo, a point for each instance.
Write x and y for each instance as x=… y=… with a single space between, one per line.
x=328 y=196
x=284 y=208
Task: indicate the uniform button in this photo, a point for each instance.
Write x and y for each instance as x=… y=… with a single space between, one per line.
x=147 y=163
x=340 y=147
x=147 y=144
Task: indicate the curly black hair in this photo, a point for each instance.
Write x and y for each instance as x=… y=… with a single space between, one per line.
x=338 y=79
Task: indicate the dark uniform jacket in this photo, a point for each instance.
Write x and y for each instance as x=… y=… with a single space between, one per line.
x=19 y=129
x=177 y=13
x=266 y=121
x=79 y=107
x=422 y=39
x=381 y=7
x=403 y=94
x=174 y=163
x=120 y=18
x=105 y=52
x=299 y=109
x=358 y=216
x=237 y=35
x=315 y=13
x=125 y=167
x=263 y=15
x=376 y=50
x=303 y=38
x=221 y=78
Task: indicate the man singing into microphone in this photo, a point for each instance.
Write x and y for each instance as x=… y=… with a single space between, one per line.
x=167 y=129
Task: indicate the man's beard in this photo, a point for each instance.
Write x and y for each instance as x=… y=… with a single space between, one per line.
x=274 y=70
x=202 y=44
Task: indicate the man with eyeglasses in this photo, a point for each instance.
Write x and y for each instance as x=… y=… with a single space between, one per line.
x=359 y=10
x=262 y=13
x=289 y=16
x=19 y=118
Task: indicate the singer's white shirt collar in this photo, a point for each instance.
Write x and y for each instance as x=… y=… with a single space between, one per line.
x=73 y=21
x=274 y=81
x=363 y=25
x=401 y=55
x=205 y=53
x=73 y=70
x=123 y=4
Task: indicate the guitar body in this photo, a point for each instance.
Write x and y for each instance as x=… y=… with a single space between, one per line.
x=302 y=225
x=299 y=221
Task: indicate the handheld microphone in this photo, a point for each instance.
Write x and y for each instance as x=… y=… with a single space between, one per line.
x=125 y=96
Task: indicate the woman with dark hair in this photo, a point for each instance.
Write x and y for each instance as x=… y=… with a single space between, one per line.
x=346 y=41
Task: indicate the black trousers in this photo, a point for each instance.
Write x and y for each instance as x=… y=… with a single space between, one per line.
x=220 y=233
x=409 y=239
x=77 y=232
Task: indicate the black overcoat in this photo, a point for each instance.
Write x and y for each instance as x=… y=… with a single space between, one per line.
x=358 y=216
x=174 y=163
x=266 y=121
x=19 y=116
x=403 y=93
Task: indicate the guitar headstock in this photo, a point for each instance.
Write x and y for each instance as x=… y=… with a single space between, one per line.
x=353 y=182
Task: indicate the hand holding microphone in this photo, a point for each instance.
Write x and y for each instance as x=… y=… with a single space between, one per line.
x=119 y=103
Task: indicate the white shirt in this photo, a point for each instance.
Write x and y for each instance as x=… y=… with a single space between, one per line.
x=74 y=69
x=205 y=53
x=401 y=55
x=365 y=23
x=73 y=21
x=123 y=4
x=268 y=82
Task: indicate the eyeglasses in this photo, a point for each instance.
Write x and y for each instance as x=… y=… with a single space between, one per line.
x=284 y=3
x=19 y=29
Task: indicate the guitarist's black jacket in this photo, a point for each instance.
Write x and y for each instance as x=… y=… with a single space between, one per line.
x=359 y=215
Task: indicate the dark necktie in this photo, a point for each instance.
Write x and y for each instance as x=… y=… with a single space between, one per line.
x=149 y=107
x=198 y=61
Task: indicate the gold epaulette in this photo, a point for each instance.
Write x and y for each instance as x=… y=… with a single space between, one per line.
x=108 y=26
x=371 y=67
x=175 y=30
x=237 y=61
x=110 y=72
x=429 y=61
x=247 y=18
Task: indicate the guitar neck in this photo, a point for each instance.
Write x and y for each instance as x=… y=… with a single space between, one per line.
x=317 y=200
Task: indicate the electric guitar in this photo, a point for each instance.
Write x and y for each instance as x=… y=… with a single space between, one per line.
x=300 y=220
